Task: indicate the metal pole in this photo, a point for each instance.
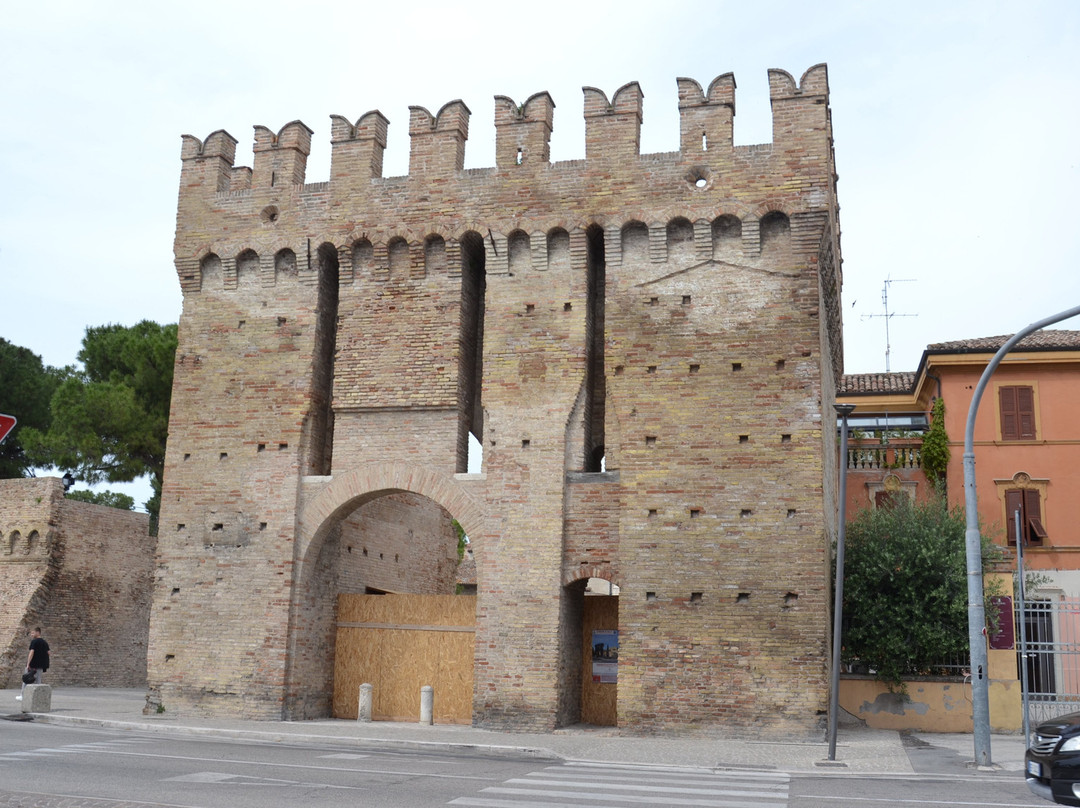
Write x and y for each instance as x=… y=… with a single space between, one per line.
x=1024 y=684
x=843 y=410
x=980 y=685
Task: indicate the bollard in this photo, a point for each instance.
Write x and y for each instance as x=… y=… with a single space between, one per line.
x=365 y=703
x=427 y=704
x=37 y=699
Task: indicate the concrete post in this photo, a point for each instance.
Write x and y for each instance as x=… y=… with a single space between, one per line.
x=365 y=702
x=37 y=699
x=427 y=704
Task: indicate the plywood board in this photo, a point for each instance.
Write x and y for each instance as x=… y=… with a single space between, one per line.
x=399 y=644
x=598 y=699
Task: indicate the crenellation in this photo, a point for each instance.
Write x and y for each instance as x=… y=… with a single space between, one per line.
x=613 y=129
x=281 y=159
x=357 y=151
x=523 y=133
x=706 y=121
x=437 y=143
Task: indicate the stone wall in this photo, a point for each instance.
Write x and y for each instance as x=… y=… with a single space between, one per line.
x=644 y=345
x=81 y=572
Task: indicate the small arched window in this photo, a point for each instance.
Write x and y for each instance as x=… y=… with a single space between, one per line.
x=435 y=255
x=726 y=236
x=398 y=250
x=285 y=265
x=210 y=272
x=518 y=248
x=247 y=267
x=635 y=242
x=680 y=239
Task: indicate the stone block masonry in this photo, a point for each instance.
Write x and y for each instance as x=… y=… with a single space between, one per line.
x=645 y=346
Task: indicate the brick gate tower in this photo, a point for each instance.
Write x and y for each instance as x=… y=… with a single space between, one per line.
x=644 y=345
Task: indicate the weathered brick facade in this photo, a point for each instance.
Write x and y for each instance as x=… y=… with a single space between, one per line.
x=644 y=344
x=81 y=572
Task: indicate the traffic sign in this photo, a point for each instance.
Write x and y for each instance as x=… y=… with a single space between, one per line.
x=7 y=423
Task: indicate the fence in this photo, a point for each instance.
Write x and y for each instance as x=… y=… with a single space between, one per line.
x=1052 y=657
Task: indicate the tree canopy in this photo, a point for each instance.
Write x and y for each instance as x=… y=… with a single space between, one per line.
x=26 y=388
x=905 y=588
x=110 y=420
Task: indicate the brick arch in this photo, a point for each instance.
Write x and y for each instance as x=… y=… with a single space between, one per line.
x=765 y=208
x=604 y=572
x=350 y=490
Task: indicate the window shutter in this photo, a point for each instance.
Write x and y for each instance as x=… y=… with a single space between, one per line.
x=1017 y=405
x=884 y=499
x=1010 y=428
x=1014 y=499
x=1025 y=414
x=1033 y=517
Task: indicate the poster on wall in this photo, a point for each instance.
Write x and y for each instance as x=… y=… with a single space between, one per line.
x=605 y=655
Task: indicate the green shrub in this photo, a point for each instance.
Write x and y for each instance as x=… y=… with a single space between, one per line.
x=905 y=589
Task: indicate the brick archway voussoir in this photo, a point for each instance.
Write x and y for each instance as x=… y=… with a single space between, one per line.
x=354 y=488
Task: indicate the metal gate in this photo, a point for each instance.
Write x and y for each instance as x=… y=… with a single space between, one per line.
x=1051 y=656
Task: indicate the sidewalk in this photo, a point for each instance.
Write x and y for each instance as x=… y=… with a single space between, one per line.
x=859 y=750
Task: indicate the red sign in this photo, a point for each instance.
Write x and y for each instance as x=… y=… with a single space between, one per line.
x=7 y=423
x=1004 y=639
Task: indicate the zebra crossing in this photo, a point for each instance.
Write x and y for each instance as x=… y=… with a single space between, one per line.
x=571 y=785
x=68 y=749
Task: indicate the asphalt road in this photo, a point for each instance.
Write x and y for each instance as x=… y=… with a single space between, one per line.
x=51 y=766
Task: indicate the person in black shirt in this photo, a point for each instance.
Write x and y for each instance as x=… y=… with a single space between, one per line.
x=37 y=661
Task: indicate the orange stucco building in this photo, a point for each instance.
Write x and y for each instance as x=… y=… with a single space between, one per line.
x=1027 y=460
x=1026 y=441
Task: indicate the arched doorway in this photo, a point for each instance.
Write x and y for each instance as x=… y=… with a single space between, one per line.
x=591 y=621
x=377 y=550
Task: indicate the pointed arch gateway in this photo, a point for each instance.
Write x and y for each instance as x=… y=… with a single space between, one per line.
x=336 y=526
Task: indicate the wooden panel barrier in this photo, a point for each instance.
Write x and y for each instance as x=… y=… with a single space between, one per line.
x=399 y=643
x=598 y=699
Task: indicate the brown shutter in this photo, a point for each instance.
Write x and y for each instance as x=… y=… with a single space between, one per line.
x=1010 y=428
x=1014 y=499
x=1033 y=517
x=1025 y=414
x=1017 y=405
x=884 y=499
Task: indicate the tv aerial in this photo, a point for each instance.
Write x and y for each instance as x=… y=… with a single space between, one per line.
x=888 y=315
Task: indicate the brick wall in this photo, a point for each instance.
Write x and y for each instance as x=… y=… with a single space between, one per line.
x=676 y=314
x=83 y=574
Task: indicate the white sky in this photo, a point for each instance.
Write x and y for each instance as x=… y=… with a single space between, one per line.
x=956 y=129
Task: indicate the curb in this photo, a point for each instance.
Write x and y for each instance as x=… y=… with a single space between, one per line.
x=492 y=750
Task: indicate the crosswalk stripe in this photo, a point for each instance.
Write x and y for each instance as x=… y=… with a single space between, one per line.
x=480 y=802
x=667 y=789
x=651 y=799
x=588 y=779
x=673 y=771
x=660 y=769
x=600 y=784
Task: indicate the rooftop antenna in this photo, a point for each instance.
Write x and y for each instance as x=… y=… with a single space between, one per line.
x=888 y=315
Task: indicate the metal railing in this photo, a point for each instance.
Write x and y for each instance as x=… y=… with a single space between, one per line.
x=1052 y=656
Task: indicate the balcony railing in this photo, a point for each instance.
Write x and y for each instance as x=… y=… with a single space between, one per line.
x=869 y=454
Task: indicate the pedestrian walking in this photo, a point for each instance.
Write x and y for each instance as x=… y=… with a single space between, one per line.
x=37 y=661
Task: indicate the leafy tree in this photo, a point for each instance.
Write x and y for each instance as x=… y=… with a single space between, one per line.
x=114 y=499
x=935 y=446
x=110 y=420
x=905 y=588
x=26 y=387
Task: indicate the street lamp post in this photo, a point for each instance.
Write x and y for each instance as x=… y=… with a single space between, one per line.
x=980 y=680
x=843 y=410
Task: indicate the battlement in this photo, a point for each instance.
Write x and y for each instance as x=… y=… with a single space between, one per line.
x=523 y=134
